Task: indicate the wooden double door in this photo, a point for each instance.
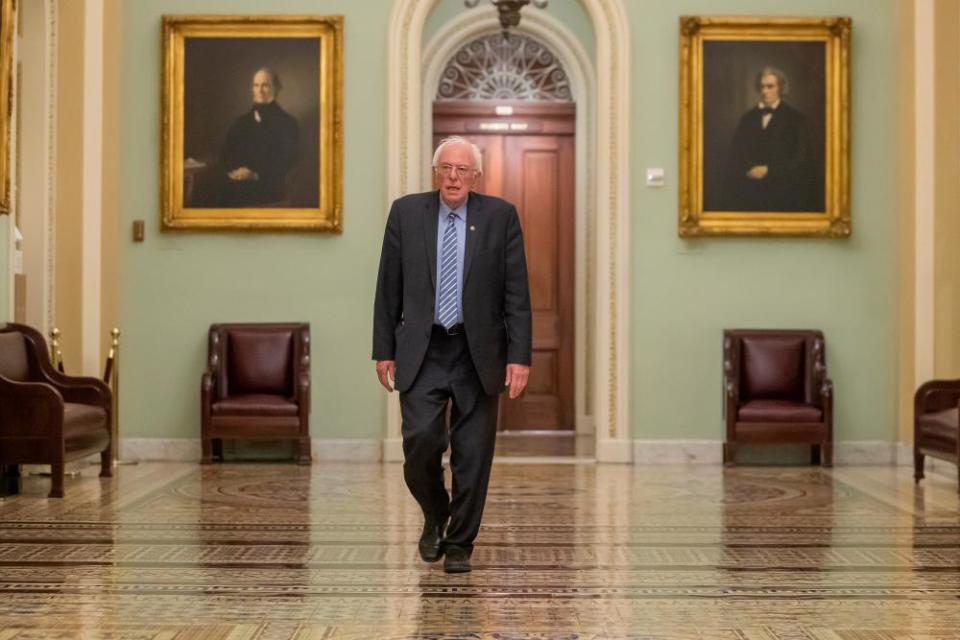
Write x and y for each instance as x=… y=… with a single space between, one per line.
x=528 y=159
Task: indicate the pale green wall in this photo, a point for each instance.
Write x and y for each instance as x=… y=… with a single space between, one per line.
x=683 y=292
x=176 y=284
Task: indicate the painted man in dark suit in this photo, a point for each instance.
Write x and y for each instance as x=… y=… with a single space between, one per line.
x=769 y=168
x=451 y=323
x=260 y=149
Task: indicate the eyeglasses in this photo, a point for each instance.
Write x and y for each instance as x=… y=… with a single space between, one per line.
x=448 y=169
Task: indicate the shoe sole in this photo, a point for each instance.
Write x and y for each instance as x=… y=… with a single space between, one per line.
x=457 y=570
x=431 y=558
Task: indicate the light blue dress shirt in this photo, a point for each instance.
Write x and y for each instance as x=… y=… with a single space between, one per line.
x=461 y=222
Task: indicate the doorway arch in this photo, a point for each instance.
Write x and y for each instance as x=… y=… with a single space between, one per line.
x=602 y=165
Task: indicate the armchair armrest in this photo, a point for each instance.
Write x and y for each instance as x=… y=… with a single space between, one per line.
x=302 y=392
x=731 y=378
x=80 y=389
x=208 y=387
x=30 y=410
x=936 y=395
x=826 y=399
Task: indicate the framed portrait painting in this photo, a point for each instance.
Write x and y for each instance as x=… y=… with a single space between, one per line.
x=764 y=126
x=7 y=30
x=252 y=122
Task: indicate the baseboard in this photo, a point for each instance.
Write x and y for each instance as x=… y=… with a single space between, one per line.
x=645 y=452
x=856 y=452
x=616 y=451
x=677 y=452
x=392 y=449
x=346 y=450
x=165 y=449
x=188 y=450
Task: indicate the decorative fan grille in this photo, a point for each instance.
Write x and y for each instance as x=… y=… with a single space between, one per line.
x=498 y=68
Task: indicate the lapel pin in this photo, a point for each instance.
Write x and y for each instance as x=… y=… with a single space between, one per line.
x=472 y=228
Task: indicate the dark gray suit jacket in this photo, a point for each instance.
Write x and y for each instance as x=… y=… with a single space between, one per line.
x=496 y=297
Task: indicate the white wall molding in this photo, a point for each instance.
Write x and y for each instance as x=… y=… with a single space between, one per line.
x=91 y=263
x=639 y=452
x=677 y=452
x=849 y=453
x=37 y=56
x=188 y=450
x=407 y=162
x=160 y=449
x=924 y=185
x=346 y=450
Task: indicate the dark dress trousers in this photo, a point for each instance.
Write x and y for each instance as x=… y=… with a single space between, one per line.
x=468 y=368
x=784 y=147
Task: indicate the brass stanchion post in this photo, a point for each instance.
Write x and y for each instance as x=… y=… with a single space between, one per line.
x=113 y=373
x=56 y=355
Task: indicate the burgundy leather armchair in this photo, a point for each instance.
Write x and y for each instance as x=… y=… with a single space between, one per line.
x=47 y=417
x=256 y=386
x=776 y=390
x=936 y=424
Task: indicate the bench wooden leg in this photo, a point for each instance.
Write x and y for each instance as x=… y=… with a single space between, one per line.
x=56 y=480
x=730 y=454
x=303 y=451
x=106 y=463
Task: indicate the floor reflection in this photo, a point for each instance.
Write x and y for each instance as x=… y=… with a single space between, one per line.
x=262 y=551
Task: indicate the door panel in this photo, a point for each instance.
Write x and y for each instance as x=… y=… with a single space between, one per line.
x=536 y=173
x=540 y=179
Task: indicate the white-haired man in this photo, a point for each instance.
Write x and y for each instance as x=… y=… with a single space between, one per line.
x=451 y=324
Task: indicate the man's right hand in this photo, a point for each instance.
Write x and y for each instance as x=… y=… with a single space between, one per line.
x=758 y=172
x=387 y=372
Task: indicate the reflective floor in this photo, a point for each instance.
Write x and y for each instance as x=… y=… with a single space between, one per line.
x=263 y=551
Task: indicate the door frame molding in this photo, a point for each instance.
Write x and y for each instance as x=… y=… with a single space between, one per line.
x=36 y=189
x=606 y=137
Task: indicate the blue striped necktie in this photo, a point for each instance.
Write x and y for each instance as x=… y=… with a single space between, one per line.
x=448 y=274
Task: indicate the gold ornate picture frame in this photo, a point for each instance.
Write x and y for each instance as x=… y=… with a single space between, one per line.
x=252 y=131
x=8 y=28
x=764 y=126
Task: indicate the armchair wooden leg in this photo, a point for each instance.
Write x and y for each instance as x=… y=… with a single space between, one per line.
x=106 y=462
x=303 y=451
x=206 y=449
x=917 y=466
x=56 y=480
x=730 y=454
x=816 y=454
x=826 y=454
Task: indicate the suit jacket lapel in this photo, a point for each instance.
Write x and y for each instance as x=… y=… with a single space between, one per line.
x=473 y=229
x=430 y=223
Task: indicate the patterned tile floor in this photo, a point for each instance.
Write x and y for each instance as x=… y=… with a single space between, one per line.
x=276 y=551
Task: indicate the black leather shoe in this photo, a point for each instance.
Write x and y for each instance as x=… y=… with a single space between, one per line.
x=457 y=560
x=429 y=545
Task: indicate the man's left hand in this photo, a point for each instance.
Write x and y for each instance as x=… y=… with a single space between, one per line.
x=517 y=376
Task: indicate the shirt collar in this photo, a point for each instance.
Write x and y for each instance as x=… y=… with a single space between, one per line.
x=460 y=211
x=773 y=106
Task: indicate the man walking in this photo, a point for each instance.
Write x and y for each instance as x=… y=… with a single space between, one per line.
x=451 y=323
